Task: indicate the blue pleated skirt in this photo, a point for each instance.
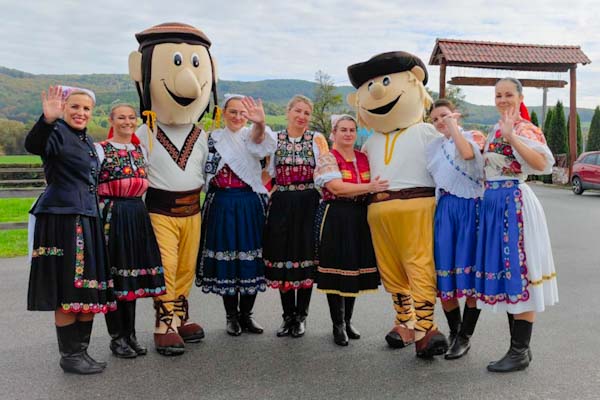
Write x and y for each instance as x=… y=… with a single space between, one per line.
x=230 y=257
x=501 y=266
x=455 y=245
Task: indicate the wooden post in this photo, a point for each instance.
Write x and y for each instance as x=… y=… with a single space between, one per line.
x=443 y=79
x=544 y=107
x=572 y=118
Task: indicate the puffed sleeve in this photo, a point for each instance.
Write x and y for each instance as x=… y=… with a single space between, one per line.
x=327 y=169
x=320 y=145
x=473 y=167
x=534 y=138
x=42 y=139
x=264 y=148
x=99 y=152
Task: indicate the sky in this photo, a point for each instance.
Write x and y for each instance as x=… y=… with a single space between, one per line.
x=276 y=39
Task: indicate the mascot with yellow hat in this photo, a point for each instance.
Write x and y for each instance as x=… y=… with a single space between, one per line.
x=175 y=76
x=391 y=100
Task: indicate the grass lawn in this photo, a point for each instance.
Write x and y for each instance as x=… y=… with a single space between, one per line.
x=15 y=210
x=13 y=243
x=28 y=159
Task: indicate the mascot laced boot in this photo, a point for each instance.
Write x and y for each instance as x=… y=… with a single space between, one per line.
x=190 y=332
x=166 y=339
x=403 y=333
x=430 y=341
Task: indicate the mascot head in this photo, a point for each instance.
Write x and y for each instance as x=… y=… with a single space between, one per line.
x=174 y=72
x=390 y=92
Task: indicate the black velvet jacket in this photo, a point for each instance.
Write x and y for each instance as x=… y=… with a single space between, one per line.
x=71 y=167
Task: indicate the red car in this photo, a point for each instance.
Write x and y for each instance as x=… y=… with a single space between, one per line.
x=586 y=172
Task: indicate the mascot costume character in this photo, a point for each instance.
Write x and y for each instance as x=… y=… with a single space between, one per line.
x=175 y=76
x=391 y=100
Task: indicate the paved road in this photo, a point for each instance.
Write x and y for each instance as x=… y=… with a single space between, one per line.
x=566 y=343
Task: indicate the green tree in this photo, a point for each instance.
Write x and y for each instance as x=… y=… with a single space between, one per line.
x=548 y=122
x=594 y=132
x=557 y=137
x=12 y=136
x=326 y=99
x=534 y=119
x=579 y=135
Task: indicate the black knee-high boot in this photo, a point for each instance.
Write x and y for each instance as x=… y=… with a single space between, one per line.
x=516 y=358
x=454 y=321
x=288 y=303
x=511 y=321
x=302 y=304
x=72 y=358
x=117 y=323
x=462 y=344
x=352 y=332
x=231 y=309
x=132 y=337
x=85 y=333
x=246 y=320
x=336 y=310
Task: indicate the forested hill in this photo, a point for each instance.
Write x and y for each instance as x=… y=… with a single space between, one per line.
x=20 y=91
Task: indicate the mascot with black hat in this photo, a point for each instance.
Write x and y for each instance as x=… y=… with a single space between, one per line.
x=391 y=100
x=175 y=77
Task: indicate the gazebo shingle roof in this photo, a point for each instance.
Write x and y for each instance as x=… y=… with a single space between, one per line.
x=497 y=55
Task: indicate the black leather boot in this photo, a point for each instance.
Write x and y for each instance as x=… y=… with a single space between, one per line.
x=132 y=338
x=511 y=321
x=336 y=310
x=462 y=344
x=72 y=357
x=85 y=333
x=117 y=323
x=299 y=328
x=352 y=332
x=231 y=309
x=516 y=359
x=246 y=321
x=288 y=303
x=454 y=321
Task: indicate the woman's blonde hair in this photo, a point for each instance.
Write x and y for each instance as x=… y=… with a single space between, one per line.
x=119 y=105
x=299 y=98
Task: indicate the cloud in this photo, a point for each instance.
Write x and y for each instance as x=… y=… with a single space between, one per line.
x=274 y=39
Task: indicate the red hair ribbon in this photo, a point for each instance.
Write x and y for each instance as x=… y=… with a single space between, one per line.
x=524 y=113
x=134 y=138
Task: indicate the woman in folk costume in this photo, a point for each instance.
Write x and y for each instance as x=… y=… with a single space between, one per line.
x=134 y=255
x=289 y=238
x=230 y=260
x=514 y=271
x=69 y=265
x=456 y=165
x=347 y=265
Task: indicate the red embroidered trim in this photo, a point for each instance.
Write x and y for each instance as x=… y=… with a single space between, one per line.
x=179 y=157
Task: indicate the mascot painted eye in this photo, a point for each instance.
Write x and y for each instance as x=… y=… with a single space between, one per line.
x=370 y=85
x=177 y=58
x=195 y=60
x=386 y=81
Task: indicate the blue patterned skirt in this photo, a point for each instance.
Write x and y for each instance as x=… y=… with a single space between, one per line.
x=230 y=257
x=501 y=266
x=455 y=245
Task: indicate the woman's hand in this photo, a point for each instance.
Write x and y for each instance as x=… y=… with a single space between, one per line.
x=254 y=110
x=378 y=185
x=507 y=123
x=52 y=104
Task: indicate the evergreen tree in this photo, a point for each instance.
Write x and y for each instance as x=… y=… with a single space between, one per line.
x=579 y=135
x=594 y=133
x=557 y=136
x=548 y=122
x=534 y=119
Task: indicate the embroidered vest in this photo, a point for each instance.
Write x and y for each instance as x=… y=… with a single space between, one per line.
x=294 y=162
x=118 y=177
x=351 y=172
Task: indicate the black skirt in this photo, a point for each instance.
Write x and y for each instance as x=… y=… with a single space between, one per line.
x=69 y=266
x=289 y=239
x=134 y=255
x=347 y=264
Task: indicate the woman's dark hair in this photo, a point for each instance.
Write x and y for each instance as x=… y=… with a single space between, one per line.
x=443 y=103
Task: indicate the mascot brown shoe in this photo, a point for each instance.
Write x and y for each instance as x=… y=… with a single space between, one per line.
x=400 y=336
x=434 y=343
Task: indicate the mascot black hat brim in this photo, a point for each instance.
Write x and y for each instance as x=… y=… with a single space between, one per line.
x=382 y=64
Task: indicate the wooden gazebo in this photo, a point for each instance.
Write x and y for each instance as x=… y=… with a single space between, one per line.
x=516 y=57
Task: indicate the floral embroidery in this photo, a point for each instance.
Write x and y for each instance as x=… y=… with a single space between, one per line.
x=137 y=272
x=79 y=282
x=47 y=251
x=232 y=255
x=456 y=294
x=290 y=264
x=228 y=287
x=117 y=163
x=287 y=285
x=141 y=292
x=294 y=162
x=107 y=203
x=88 y=307
x=455 y=271
x=456 y=167
x=291 y=188
x=179 y=157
